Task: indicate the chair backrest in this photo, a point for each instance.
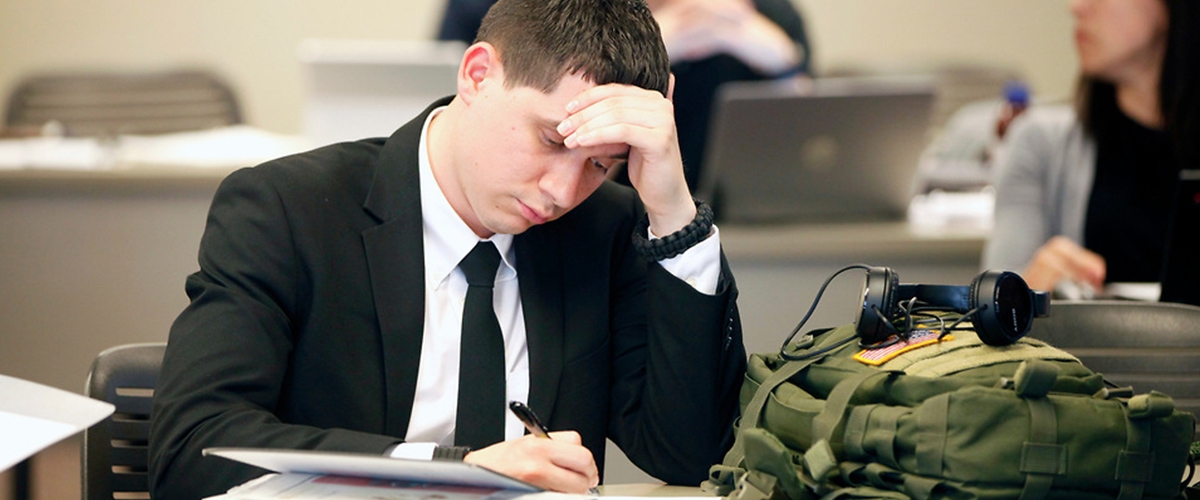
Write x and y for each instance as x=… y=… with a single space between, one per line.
x=114 y=451
x=1146 y=345
x=105 y=104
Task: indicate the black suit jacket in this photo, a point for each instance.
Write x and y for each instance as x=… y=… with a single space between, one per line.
x=306 y=319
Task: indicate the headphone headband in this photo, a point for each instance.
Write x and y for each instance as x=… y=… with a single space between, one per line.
x=1001 y=305
x=952 y=296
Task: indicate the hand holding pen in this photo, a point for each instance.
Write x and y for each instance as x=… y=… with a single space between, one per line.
x=555 y=461
x=536 y=427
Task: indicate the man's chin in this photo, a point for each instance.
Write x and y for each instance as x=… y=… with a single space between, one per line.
x=516 y=226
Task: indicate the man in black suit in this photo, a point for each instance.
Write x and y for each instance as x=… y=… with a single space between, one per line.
x=329 y=303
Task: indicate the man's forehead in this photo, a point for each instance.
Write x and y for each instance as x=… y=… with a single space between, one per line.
x=615 y=151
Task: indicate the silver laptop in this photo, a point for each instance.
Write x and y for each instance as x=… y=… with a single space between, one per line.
x=369 y=88
x=838 y=150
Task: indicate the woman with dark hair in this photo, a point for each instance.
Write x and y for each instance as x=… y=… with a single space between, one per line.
x=1084 y=197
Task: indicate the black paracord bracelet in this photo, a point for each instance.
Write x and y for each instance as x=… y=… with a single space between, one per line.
x=675 y=243
x=451 y=453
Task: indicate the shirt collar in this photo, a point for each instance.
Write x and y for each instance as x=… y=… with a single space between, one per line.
x=447 y=238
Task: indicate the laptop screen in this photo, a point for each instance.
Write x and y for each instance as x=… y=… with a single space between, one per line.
x=844 y=150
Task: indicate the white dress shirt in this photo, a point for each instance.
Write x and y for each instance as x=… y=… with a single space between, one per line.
x=447 y=239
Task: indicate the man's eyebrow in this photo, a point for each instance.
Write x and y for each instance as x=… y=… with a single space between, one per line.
x=552 y=125
x=548 y=123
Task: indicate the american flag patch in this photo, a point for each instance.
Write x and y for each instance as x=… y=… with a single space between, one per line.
x=918 y=338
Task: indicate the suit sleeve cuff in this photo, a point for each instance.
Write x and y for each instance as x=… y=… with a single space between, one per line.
x=413 y=451
x=700 y=265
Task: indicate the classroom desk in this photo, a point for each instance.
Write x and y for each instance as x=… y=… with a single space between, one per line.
x=650 y=490
x=93 y=259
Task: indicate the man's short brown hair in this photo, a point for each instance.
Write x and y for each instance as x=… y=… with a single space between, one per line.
x=608 y=41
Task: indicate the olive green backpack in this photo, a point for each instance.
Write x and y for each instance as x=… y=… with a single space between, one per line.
x=947 y=418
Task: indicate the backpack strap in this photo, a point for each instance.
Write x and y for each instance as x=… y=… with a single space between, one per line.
x=752 y=413
x=753 y=410
x=1135 y=465
x=871 y=433
x=826 y=422
x=933 y=424
x=1042 y=457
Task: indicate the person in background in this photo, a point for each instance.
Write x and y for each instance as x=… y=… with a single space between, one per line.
x=335 y=307
x=710 y=42
x=1084 y=197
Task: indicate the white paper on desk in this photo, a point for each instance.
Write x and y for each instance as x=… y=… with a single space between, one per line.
x=372 y=466
x=34 y=416
x=56 y=153
x=235 y=146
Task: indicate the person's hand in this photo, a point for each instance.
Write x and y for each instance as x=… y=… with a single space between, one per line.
x=645 y=121
x=1061 y=259
x=561 y=463
x=697 y=29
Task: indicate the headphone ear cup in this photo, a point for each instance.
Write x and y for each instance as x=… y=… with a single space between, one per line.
x=889 y=300
x=1005 y=307
x=985 y=318
x=879 y=292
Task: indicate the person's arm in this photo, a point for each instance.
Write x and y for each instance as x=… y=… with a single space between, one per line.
x=677 y=375
x=697 y=29
x=229 y=351
x=677 y=353
x=1022 y=236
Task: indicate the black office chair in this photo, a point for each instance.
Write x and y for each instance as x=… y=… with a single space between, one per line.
x=1146 y=345
x=114 y=451
x=113 y=103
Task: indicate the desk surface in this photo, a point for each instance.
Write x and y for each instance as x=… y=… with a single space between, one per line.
x=146 y=178
x=650 y=490
x=859 y=241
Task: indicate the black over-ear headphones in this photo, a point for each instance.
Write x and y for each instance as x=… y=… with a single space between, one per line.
x=999 y=305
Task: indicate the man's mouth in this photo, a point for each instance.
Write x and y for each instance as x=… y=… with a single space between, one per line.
x=533 y=215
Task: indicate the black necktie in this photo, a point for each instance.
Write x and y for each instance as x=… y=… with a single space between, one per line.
x=481 y=374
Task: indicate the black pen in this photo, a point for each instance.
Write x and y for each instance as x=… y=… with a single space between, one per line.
x=536 y=427
x=527 y=417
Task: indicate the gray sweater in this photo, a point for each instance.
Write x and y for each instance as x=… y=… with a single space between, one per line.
x=1043 y=182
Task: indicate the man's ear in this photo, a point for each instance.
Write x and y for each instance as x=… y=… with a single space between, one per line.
x=480 y=67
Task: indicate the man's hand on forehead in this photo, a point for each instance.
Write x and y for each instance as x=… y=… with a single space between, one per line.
x=644 y=120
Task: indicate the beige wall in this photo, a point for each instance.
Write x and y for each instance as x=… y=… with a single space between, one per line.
x=1032 y=36
x=252 y=42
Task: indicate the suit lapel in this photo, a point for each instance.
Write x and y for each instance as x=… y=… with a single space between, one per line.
x=539 y=269
x=395 y=256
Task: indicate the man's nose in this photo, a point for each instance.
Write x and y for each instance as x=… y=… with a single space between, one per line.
x=562 y=182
